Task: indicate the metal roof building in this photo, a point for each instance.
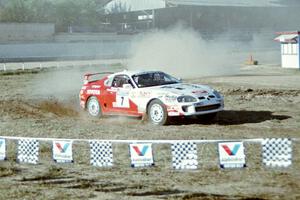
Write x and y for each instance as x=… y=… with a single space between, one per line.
x=241 y=3
x=135 y=5
x=239 y=19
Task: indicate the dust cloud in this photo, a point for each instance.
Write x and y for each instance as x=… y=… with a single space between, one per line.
x=60 y=84
x=57 y=90
x=182 y=52
x=63 y=83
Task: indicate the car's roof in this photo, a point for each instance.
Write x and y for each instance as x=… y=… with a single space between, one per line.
x=133 y=72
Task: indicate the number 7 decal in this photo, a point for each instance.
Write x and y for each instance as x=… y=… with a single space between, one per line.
x=122 y=100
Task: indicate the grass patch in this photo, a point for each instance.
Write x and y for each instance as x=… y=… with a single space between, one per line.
x=20 y=72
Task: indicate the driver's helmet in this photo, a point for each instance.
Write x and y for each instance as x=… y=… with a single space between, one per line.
x=158 y=77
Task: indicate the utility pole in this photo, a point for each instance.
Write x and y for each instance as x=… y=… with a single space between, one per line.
x=153 y=18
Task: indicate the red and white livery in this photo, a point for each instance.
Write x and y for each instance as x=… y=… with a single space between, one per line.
x=152 y=93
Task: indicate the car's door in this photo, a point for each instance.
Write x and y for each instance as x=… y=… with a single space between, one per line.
x=118 y=96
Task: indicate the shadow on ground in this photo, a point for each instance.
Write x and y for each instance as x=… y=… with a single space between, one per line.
x=234 y=117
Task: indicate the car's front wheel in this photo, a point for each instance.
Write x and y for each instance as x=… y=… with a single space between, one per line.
x=93 y=107
x=157 y=113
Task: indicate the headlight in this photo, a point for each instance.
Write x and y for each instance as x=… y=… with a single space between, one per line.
x=183 y=99
x=217 y=94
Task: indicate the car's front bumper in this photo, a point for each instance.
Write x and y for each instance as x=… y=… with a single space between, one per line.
x=199 y=108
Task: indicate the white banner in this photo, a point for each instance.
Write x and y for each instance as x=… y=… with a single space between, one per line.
x=62 y=151
x=141 y=155
x=231 y=155
x=2 y=149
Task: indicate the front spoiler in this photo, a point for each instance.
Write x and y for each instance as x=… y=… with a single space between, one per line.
x=180 y=112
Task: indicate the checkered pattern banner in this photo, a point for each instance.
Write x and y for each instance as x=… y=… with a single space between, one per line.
x=277 y=152
x=28 y=151
x=184 y=155
x=101 y=153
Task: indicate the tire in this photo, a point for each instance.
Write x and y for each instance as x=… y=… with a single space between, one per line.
x=94 y=107
x=157 y=113
x=207 y=117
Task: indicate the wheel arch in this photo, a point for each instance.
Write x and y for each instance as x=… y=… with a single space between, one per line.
x=87 y=100
x=148 y=103
x=165 y=118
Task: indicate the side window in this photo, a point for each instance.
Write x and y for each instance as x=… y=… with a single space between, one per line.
x=116 y=82
x=108 y=82
x=120 y=80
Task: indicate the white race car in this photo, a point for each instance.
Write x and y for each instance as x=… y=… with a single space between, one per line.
x=152 y=93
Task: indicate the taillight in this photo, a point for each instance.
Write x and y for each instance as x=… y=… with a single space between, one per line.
x=86 y=79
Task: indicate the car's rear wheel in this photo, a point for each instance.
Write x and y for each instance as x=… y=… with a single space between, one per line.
x=157 y=113
x=93 y=107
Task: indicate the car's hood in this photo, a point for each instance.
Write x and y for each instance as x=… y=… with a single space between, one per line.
x=184 y=89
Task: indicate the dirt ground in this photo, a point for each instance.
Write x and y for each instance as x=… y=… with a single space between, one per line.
x=260 y=102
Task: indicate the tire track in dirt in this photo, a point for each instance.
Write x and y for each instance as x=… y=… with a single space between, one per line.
x=36 y=109
x=261 y=92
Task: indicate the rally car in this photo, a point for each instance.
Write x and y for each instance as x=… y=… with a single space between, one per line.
x=154 y=94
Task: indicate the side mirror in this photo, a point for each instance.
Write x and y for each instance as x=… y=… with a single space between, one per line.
x=127 y=86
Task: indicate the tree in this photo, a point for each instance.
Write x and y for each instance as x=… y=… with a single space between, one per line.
x=63 y=13
x=42 y=11
x=119 y=7
x=66 y=13
x=16 y=11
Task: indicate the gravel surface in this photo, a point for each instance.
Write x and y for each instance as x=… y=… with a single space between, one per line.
x=261 y=101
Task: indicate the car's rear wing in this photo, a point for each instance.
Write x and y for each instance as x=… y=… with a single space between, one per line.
x=87 y=77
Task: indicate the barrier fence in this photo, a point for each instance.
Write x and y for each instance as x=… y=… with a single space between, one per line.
x=275 y=152
x=35 y=65
x=57 y=64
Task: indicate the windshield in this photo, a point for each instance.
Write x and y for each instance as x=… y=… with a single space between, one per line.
x=149 y=79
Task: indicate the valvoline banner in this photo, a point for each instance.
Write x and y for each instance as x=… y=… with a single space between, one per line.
x=62 y=151
x=231 y=155
x=141 y=155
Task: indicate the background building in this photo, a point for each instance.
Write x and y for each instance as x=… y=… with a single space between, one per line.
x=211 y=18
x=105 y=27
x=289 y=43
